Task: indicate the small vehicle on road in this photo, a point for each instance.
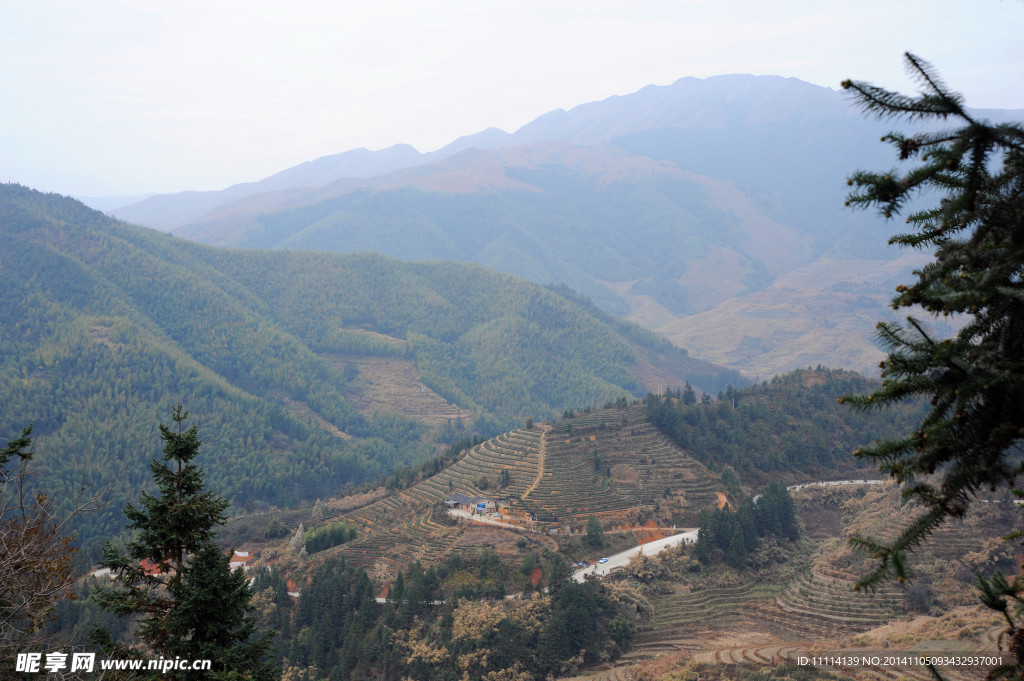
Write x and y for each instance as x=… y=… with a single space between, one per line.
x=603 y=560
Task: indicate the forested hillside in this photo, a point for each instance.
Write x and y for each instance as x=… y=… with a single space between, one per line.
x=789 y=425
x=278 y=356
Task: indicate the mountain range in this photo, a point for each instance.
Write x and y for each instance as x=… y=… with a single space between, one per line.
x=710 y=210
x=305 y=372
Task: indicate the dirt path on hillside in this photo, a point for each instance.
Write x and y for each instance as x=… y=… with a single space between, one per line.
x=542 y=450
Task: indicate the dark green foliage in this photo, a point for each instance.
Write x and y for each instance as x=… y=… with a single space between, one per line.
x=410 y=475
x=333 y=618
x=491 y=579
x=731 y=481
x=790 y=423
x=737 y=553
x=275 y=530
x=774 y=513
x=20 y=446
x=733 y=536
x=195 y=606
x=212 y=610
x=622 y=631
x=85 y=614
x=329 y=536
x=575 y=622
x=595 y=536
x=970 y=438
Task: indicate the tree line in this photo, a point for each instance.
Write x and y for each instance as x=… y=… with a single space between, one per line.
x=732 y=536
x=789 y=423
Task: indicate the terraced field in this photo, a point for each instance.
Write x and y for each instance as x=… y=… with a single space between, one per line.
x=607 y=461
x=394 y=384
x=816 y=608
x=827 y=595
x=636 y=467
x=399 y=527
x=684 y=621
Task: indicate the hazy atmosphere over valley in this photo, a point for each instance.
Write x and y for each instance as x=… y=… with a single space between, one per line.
x=510 y=341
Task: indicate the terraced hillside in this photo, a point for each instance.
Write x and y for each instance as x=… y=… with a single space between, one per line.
x=827 y=596
x=810 y=604
x=402 y=527
x=608 y=462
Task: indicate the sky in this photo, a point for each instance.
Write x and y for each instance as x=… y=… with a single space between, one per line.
x=126 y=97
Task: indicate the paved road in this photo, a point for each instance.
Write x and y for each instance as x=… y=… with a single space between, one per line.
x=828 y=483
x=834 y=483
x=622 y=559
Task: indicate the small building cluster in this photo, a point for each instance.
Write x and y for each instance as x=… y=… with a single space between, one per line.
x=241 y=559
x=464 y=502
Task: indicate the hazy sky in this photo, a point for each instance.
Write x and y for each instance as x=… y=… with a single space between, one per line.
x=126 y=97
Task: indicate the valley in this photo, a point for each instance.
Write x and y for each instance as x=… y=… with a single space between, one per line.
x=792 y=598
x=312 y=372
x=445 y=400
x=316 y=374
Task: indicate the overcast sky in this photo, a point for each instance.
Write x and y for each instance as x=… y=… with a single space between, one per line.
x=128 y=97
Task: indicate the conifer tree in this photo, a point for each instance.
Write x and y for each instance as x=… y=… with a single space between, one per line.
x=297 y=544
x=975 y=380
x=175 y=578
x=970 y=441
x=595 y=535
x=737 y=555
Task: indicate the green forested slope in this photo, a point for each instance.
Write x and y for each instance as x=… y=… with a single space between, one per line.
x=790 y=427
x=106 y=325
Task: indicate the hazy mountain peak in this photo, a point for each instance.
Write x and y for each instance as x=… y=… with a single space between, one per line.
x=356 y=163
x=491 y=138
x=716 y=103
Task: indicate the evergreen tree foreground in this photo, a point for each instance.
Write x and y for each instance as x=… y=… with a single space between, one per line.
x=176 y=579
x=970 y=440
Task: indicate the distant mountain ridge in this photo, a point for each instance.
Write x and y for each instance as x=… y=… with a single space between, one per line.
x=184 y=207
x=674 y=201
x=689 y=103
